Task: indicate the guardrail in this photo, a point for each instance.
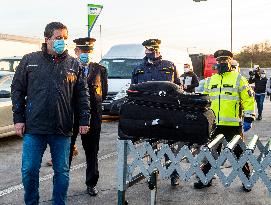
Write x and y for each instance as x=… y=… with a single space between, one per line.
x=145 y=159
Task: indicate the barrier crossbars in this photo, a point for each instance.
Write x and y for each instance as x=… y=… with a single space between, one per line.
x=145 y=159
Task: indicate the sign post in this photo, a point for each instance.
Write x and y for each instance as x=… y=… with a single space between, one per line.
x=94 y=11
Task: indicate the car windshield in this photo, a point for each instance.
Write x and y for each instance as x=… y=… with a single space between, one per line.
x=5 y=82
x=120 y=68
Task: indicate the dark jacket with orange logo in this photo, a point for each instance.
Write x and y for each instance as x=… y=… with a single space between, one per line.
x=98 y=86
x=44 y=90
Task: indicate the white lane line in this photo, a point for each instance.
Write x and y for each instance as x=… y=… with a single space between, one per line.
x=50 y=176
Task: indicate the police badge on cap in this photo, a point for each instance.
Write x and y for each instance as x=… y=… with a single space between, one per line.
x=85 y=44
x=152 y=44
x=223 y=54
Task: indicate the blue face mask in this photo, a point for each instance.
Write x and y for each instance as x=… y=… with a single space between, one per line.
x=84 y=58
x=59 y=46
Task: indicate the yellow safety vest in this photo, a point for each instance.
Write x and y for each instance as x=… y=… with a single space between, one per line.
x=231 y=95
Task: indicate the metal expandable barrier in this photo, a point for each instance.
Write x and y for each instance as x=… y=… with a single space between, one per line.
x=146 y=159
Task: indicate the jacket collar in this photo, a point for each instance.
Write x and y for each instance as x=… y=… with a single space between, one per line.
x=154 y=63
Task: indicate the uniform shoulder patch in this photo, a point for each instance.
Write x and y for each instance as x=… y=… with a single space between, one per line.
x=139 y=71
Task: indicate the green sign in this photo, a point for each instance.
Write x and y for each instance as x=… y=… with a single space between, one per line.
x=94 y=11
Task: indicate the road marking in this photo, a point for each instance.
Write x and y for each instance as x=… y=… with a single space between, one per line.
x=50 y=176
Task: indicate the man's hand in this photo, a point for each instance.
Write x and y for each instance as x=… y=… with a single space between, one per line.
x=19 y=129
x=83 y=129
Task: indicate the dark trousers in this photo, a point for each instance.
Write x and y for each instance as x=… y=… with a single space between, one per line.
x=90 y=142
x=229 y=132
x=259 y=100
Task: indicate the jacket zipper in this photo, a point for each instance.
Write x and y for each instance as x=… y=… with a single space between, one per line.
x=219 y=98
x=235 y=108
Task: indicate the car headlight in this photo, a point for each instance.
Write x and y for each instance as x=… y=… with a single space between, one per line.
x=122 y=93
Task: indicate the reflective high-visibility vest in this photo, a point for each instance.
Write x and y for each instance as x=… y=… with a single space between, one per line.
x=231 y=95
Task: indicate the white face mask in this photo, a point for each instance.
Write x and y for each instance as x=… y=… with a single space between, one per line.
x=186 y=70
x=262 y=75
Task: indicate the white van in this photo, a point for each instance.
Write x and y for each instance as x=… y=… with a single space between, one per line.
x=120 y=61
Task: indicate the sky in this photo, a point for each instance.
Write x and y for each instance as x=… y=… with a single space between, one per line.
x=180 y=24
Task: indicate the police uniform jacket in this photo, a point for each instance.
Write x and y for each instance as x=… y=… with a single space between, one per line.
x=43 y=91
x=159 y=70
x=230 y=95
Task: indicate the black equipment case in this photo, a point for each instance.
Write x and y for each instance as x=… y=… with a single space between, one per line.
x=160 y=110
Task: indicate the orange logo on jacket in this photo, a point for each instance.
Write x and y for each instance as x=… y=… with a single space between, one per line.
x=71 y=77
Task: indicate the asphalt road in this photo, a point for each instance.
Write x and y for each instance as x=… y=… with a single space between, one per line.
x=11 y=190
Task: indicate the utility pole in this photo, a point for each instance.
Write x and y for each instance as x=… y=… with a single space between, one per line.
x=231 y=25
x=101 y=44
x=231 y=19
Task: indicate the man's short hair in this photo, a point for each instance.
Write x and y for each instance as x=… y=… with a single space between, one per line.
x=51 y=27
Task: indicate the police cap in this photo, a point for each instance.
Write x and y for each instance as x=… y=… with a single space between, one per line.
x=223 y=54
x=152 y=44
x=85 y=44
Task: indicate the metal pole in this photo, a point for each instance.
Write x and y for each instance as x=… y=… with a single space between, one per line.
x=231 y=25
x=101 y=41
x=122 y=170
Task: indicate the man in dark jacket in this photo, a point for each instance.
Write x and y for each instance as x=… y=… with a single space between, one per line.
x=189 y=79
x=97 y=82
x=154 y=68
x=259 y=78
x=43 y=90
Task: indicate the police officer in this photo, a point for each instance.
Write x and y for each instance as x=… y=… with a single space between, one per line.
x=96 y=76
x=154 y=68
x=231 y=95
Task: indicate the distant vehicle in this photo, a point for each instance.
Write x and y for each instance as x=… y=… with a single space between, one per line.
x=6 y=119
x=203 y=65
x=9 y=63
x=200 y=88
x=120 y=61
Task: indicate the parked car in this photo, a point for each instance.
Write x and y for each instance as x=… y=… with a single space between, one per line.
x=6 y=120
